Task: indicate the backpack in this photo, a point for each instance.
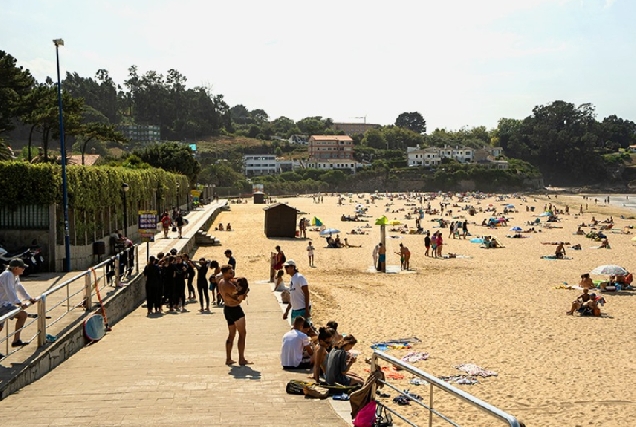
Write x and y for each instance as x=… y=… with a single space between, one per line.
x=283 y=258
x=295 y=387
x=285 y=297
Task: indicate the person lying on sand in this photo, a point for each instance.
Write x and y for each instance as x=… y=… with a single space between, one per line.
x=347 y=245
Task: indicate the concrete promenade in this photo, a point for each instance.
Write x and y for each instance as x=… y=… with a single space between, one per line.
x=170 y=370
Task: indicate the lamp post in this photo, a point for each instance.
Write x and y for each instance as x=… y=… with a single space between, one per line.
x=67 y=237
x=178 y=205
x=124 y=190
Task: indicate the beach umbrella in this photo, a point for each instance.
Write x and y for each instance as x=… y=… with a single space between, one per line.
x=328 y=231
x=510 y=206
x=383 y=220
x=316 y=221
x=546 y=214
x=516 y=228
x=394 y=222
x=609 y=270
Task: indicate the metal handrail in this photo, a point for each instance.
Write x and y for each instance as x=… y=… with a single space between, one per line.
x=443 y=386
x=87 y=288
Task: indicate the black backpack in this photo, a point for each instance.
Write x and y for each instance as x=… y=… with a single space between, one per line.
x=283 y=258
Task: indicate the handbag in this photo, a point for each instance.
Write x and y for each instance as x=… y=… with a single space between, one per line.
x=174 y=228
x=383 y=417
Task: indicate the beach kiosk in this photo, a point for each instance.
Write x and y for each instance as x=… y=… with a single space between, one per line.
x=259 y=198
x=280 y=220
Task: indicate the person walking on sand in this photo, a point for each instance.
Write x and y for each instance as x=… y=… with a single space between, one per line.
x=310 y=253
x=234 y=315
x=465 y=229
x=427 y=243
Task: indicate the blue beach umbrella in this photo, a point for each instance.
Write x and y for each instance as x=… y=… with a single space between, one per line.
x=516 y=228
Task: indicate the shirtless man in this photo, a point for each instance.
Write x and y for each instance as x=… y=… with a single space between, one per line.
x=406 y=254
x=586 y=281
x=382 y=257
x=233 y=314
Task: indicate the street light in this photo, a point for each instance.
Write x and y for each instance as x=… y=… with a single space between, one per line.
x=67 y=237
x=124 y=190
x=178 y=206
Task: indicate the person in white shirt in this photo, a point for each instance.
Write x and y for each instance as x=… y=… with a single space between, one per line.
x=298 y=292
x=13 y=295
x=297 y=351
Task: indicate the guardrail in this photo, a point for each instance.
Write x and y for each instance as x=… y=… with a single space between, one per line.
x=442 y=386
x=60 y=304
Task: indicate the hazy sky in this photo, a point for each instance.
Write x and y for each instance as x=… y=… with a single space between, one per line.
x=459 y=63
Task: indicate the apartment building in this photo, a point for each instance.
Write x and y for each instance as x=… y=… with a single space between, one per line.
x=266 y=164
x=323 y=147
x=140 y=133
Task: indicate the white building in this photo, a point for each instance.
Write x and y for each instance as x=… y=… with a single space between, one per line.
x=329 y=164
x=432 y=156
x=266 y=164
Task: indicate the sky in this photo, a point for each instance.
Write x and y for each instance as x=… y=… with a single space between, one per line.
x=460 y=63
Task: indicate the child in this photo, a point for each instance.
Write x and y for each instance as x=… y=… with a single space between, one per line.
x=310 y=253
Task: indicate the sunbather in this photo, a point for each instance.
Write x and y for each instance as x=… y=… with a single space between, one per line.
x=585 y=304
x=586 y=281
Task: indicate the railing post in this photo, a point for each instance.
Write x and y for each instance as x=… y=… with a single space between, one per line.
x=374 y=364
x=41 y=321
x=430 y=405
x=88 y=293
x=68 y=297
x=117 y=276
x=136 y=259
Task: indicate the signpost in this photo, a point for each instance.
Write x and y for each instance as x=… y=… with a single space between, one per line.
x=147 y=228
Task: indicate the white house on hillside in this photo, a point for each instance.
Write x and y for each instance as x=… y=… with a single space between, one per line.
x=433 y=156
x=266 y=164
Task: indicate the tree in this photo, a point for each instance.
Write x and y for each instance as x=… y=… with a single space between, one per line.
x=313 y=125
x=374 y=138
x=259 y=116
x=412 y=121
x=171 y=157
x=240 y=115
x=15 y=85
x=98 y=132
x=616 y=132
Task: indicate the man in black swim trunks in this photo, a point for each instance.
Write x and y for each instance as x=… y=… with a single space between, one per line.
x=233 y=314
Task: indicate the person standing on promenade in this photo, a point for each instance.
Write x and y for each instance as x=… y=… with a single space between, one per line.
x=13 y=295
x=190 y=272
x=178 y=220
x=298 y=293
x=231 y=261
x=153 y=286
x=234 y=315
x=202 y=284
x=166 y=222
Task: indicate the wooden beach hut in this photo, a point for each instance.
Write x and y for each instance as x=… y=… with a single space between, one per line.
x=280 y=220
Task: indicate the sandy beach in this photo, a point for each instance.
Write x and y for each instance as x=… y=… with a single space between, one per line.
x=498 y=308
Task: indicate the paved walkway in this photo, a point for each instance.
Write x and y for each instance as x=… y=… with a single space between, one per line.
x=170 y=370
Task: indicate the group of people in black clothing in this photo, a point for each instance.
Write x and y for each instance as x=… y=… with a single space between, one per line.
x=169 y=275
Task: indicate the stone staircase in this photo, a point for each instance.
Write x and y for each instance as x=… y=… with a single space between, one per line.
x=202 y=238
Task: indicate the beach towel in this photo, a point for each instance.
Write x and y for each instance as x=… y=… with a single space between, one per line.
x=472 y=369
x=415 y=356
x=554 y=257
x=453 y=256
x=460 y=379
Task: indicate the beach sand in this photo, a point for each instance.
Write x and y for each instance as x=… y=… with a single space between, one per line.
x=498 y=308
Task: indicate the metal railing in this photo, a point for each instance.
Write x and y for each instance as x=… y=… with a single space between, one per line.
x=59 y=307
x=442 y=386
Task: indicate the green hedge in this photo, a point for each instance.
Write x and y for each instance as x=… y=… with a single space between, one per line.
x=89 y=188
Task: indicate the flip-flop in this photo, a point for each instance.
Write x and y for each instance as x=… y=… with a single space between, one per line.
x=19 y=343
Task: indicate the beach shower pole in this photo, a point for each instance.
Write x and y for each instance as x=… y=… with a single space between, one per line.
x=383 y=241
